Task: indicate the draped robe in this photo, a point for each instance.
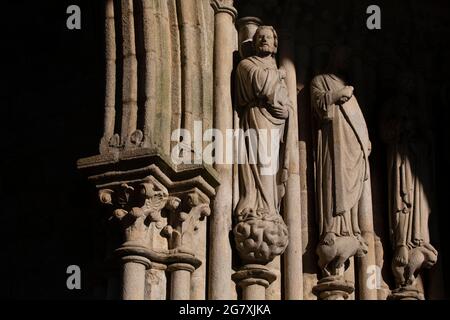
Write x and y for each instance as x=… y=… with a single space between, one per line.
x=259 y=88
x=410 y=159
x=342 y=150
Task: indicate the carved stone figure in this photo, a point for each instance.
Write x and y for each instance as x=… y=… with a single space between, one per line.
x=333 y=257
x=410 y=161
x=264 y=106
x=419 y=258
x=342 y=151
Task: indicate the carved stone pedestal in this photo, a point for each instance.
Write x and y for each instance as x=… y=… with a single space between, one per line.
x=254 y=279
x=333 y=288
x=406 y=293
x=259 y=239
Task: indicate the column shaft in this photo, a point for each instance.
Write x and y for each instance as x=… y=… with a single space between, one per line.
x=110 y=87
x=133 y=285
x=254 y=292
x=366 y=224
x=130 y=81
x=180 y=285
x=293 y=268
x=220 y=221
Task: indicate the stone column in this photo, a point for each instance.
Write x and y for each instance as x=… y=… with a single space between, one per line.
x=254 y=279
x=293 y=257
x=180 y=281
x=156 y=282
x=220 y=224
x=135 y=207
x=199 y=278
x=110 y=86
x=133 y=277
x=186 y=210
x=333 y=288
x=367 y=231
x=130 y=77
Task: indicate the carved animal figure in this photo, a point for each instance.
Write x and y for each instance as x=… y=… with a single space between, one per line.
x=335 y=252
x=419 y=258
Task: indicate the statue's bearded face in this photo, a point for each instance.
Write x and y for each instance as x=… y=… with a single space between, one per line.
x=265 y=42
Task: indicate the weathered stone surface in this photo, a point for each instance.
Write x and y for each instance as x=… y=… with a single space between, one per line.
x=410 y=167
x=260 y=232
x=342 y=170
x=169 y=64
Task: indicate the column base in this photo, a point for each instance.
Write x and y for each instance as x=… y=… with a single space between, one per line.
x=333 y=288
x=406 y=293
x=254 y=279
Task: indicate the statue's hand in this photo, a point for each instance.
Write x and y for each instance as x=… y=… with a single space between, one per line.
x=344 y=94
x=401 y=256
x=279 y=112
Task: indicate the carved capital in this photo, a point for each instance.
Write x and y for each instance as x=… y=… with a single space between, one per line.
x=224 y=6
x=136 y=207
x=260 y=237
x=185 y=211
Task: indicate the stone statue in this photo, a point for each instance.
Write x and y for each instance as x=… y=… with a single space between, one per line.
x=342 y=167
x=264 y=106
x=410 y=160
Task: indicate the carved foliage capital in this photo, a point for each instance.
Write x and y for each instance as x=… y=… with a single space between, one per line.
x=136 y=207
x=185 y=211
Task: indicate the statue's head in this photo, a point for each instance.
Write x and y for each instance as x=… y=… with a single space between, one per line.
x=265 y=41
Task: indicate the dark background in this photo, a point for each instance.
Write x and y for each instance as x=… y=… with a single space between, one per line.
x=51 y=105
x=51 y=115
